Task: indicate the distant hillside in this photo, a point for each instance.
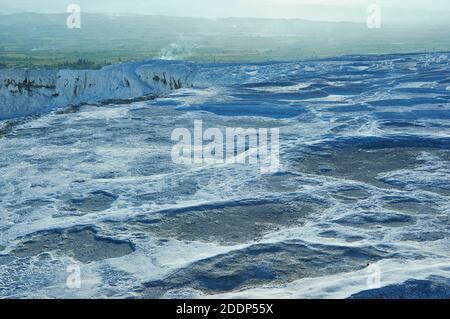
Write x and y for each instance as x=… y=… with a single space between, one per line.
x=43 y=40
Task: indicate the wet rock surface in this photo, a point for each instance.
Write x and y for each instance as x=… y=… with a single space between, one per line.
x=82 y=244
x=96 y=201
x=432 y=288
x=370 y=219
x=263 y=264
x=229 y=224
x=363 y=165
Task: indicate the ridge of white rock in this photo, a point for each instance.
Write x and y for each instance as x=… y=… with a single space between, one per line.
x=31 y=92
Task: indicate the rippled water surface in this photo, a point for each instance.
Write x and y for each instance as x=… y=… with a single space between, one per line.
x=364 y=180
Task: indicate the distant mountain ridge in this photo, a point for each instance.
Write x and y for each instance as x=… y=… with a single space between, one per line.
x=392 y=14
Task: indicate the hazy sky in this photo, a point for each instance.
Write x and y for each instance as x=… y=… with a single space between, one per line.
x=217 y=8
